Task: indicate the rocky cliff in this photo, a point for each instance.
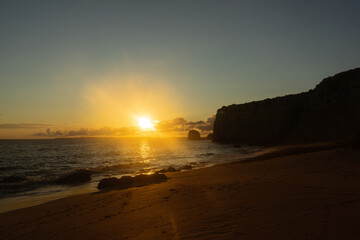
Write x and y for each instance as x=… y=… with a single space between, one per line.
x=329 y=112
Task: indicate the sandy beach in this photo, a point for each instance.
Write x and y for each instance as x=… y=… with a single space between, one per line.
x=304 y=194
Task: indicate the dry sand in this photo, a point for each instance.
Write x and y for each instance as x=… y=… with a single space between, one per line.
x=297 y=195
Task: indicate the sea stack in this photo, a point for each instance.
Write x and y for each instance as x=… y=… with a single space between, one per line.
x=194 y=135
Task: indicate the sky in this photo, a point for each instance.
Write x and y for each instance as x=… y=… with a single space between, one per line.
x=69 y=68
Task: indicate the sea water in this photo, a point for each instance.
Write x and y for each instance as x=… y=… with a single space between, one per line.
x=30 y=168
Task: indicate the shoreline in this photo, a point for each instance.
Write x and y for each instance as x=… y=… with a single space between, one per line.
x=47 y=167
x=25 y=201
x=206 y=192
x=20 y=202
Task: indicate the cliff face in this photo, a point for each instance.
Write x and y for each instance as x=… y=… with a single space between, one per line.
x=329 y=112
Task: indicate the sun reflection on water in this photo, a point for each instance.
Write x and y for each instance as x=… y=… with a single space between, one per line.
x=145 y=151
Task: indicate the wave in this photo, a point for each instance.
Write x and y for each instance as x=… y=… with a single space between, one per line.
x=7 y=168
x=20 y=183
x=206 y=154
x=69 y=163
x=48 y=149
x=123 y=166
x=16 y=183
x=13 y=179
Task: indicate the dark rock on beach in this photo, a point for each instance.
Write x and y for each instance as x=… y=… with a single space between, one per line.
x=330 y=112
x=113 y=182
x=128 y=181
x=194 y=135
x=78 y=176
x=169 y=169
x=108 y=182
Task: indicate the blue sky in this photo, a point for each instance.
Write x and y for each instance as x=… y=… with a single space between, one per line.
x=92 y=64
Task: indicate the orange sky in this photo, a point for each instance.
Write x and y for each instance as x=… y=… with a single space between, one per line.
x=94 y=68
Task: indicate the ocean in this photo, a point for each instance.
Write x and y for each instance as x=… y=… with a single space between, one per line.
x=30 y=169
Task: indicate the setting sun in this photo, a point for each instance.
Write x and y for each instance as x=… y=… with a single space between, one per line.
x=145 y=123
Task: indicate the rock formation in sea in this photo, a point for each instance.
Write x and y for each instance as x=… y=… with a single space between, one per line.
x=75 y=177
x=329 y=112
x=194 y=135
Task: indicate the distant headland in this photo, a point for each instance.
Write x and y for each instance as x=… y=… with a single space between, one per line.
x=329 y=112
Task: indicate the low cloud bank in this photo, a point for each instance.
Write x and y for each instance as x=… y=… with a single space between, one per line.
x=22 y=125
x=180 y=124
x=177 y=126
x=106 y=131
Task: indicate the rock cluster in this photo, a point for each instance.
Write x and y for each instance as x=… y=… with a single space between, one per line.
x=77 y=176
x=128 y=181
x=169 y=169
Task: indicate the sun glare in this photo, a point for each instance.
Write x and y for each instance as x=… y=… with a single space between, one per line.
x=145 y=123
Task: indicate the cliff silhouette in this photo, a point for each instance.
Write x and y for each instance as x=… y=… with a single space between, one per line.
x=329 y=112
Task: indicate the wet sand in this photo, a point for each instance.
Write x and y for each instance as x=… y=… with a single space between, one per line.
x=295 y=194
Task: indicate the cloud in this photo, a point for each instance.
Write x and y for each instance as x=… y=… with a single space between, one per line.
x=180 y=124
x=171 y=125
x=23 y=126
x=177 y=125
